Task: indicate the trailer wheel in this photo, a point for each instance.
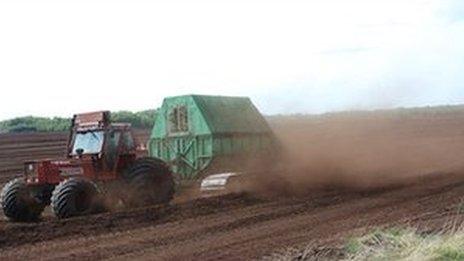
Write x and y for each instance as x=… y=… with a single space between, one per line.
x=150 y=182
x=19 y=202
x=75 y=197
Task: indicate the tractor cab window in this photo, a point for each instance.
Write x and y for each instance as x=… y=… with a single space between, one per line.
x=90 y=142
x=111 y=148
x=128 y=141
x=178 y=120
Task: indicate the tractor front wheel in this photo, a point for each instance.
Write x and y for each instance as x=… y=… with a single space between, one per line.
x=19 y=202
x=75 y=197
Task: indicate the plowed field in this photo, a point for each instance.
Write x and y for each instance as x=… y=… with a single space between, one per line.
x=250 y=225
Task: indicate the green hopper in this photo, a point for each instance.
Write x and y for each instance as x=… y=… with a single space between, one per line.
x=201 y=135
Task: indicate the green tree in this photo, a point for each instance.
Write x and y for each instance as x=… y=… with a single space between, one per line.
x=142 y=120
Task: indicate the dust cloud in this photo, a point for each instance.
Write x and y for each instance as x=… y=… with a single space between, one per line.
x=358 y=150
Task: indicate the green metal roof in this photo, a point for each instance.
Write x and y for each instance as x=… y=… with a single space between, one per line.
x=231 y=114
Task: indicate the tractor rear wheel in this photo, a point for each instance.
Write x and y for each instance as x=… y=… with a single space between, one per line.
x=19 y=202
x=150 y=182
x=75 y=197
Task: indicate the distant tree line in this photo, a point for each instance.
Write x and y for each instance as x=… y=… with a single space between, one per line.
x=142 y=119
x=426 y=111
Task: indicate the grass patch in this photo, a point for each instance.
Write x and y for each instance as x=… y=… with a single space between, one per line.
x=450 y=254
x=407 y=244
x=353 y=246
x=404 y=244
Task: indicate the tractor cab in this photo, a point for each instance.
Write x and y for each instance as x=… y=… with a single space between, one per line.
x=97 y=150
x=108 y=146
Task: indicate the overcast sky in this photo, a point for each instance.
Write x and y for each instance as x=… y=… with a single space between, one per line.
x=61 y=57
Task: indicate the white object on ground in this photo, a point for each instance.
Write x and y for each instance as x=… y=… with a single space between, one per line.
x=217 y=182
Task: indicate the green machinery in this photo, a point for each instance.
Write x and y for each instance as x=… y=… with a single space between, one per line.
x=200 y=135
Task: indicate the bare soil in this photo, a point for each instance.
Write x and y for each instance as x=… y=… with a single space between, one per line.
x=382 y=171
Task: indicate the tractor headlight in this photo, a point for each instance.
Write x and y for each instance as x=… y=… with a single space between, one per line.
x=30 y=170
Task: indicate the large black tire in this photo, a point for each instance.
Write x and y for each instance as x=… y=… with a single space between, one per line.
x=75 y=197
x=19 y=202
x=150 y=182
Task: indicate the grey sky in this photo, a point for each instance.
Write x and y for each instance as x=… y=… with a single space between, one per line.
x=61 y=57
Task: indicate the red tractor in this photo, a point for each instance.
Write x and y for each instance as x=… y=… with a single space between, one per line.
x=101 y=161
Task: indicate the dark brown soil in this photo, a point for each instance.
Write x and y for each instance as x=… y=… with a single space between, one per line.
x=235 y=226
x=426 y=192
